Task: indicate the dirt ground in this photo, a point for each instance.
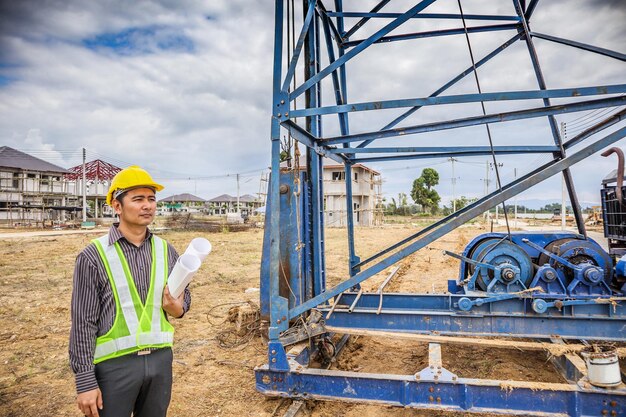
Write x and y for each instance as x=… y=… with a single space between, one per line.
x=36 y=280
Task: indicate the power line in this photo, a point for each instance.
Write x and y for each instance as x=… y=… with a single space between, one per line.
x=599 y=115
x=49 y=154
x=587 y=115
x=415 y=166
x=172 y=175
x=569 y=131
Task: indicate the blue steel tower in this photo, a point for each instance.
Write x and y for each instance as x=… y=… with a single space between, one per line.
x=316 y=43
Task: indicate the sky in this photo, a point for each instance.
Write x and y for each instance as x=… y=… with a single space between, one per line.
x=183 y=88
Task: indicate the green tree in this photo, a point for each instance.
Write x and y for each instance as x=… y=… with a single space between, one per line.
x=402 y=206
x=430 y=177
x=464 y=201
x=550 y=208
x=392 y=207
x=423 y=192
x=461 y=202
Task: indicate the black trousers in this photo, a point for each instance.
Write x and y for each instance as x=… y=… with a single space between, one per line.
x=137 y=384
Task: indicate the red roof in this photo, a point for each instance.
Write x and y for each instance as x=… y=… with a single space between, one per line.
x=94 y=170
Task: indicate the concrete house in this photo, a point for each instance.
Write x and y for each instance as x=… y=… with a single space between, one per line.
x=187 y=203
x=366 y=194
x=32 y=191
x=225 y=203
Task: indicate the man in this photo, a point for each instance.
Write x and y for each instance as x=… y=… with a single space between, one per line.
x=121 y=338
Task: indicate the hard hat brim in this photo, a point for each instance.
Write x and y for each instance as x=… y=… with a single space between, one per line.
x=153 y=186
x=131 y=178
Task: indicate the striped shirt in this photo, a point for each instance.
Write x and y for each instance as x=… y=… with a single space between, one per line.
x=93 y=303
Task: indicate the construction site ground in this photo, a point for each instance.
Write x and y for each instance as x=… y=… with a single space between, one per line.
x=213 y=365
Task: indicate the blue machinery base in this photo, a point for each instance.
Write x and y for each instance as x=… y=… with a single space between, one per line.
x=288 y=374
x=437 y=314
x=449 y=394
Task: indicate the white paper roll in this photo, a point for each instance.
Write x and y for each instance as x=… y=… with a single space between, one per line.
x=200 y=247
x=182 y=273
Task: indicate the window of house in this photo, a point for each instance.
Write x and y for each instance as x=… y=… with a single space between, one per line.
x=356 y=176
x=324 y=203
x=339 y=175
x=31 y=175
x=16 y=180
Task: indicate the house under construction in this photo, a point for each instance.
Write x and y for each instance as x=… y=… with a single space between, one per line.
x=32 y=191
x=367 y=197
x=98 y=177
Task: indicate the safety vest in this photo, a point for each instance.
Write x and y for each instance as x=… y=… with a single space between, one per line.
x=136 y=326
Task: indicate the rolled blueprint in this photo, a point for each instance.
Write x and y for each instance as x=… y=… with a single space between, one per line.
x=182 y=273
x=199 y=247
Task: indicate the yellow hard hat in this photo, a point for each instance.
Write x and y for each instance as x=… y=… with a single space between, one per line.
x=129 y=178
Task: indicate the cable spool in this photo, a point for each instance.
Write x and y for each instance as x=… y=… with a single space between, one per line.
x=515 y=263
x=580 y=252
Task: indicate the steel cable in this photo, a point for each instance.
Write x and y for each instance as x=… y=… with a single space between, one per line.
x=482 y=104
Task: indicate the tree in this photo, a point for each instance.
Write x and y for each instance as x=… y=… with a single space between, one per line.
x=400 y=205
x=464 y=201
x=461 y=202
x=423 y=192
x=430 y=177
x=552 y=207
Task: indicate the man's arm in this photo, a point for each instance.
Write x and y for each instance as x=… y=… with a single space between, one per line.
x=85 y=311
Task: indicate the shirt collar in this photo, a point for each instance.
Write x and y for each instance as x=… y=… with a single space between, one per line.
x=115 y=234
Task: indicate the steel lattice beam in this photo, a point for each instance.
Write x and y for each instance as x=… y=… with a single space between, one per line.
x=294 y=271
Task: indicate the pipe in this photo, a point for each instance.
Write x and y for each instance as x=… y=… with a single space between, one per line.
x=382 y=287
x=356 y=300
x=332 y=309
x=620 y=171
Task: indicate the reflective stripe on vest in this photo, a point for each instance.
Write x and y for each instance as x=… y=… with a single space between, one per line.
x=127 y=335
x=127 y=342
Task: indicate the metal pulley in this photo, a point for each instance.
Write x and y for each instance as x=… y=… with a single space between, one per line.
x=586 y=269
x=511 y=267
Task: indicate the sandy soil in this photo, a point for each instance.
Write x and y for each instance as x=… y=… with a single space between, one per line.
x=36 y=278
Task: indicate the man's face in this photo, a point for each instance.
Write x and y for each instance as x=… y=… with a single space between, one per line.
x=138 y=208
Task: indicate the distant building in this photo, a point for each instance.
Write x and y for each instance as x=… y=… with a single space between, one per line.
x=98 y=177
x=187 y=203
x=224 y=204
x=367 y=204
x=32 y=190
x=366 y=195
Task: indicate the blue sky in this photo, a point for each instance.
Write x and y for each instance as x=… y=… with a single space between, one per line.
x=142 y=40
x=184 y=88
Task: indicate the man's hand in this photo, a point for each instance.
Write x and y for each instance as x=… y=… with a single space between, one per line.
x=173 y=306
x=89 y=402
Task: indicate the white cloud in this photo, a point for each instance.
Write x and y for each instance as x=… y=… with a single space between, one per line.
x=205 y=110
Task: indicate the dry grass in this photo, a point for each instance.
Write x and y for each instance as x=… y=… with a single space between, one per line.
x=36 y=275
